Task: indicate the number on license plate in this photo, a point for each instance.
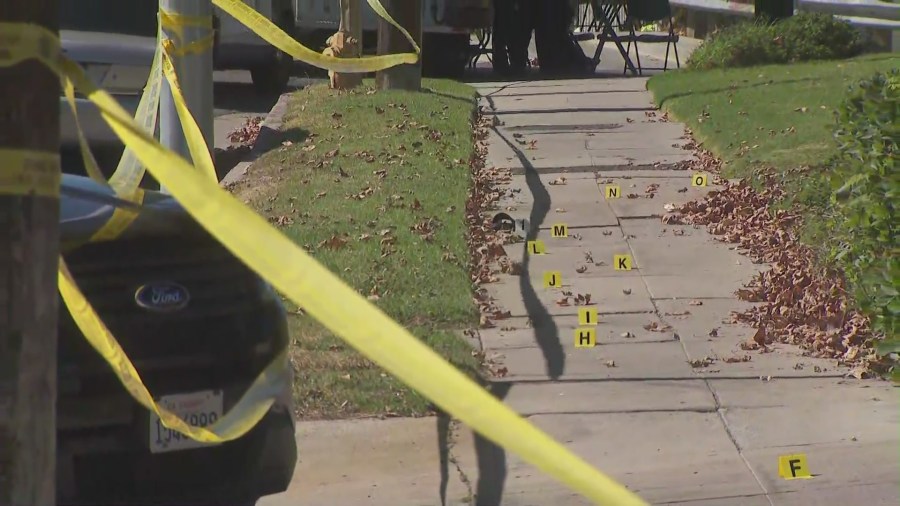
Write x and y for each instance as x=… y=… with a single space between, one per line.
x=200 y=409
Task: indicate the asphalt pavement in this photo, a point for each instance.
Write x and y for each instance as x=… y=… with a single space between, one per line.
x=236 y=101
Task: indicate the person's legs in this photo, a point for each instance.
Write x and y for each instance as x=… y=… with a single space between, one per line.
x=520 y=36
x=501 y=34
x=543 y=33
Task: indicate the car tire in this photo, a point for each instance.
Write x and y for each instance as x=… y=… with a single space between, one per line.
x=445 y=55
x=272 y=78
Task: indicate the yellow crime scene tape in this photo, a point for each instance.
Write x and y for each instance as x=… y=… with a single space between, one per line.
x=242 y=417
x=323 y=295
x=29 y=172
x=270 y=32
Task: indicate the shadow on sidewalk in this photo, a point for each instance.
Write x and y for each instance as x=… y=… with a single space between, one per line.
x=491 y=458
x=546 y=333
x=488 y=491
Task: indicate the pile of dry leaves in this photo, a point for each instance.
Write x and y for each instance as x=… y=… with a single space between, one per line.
x=246 y=134
x=486 y=245
x=803 y=303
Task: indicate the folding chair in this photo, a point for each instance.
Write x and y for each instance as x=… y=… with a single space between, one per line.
x=651 y=11
x=479 y=49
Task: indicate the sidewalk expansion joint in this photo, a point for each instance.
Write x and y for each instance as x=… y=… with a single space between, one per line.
x=580 y=227
x=547 y=381
x=452 y=432
x=608 y=313
x=581 y=169
x=500 y=350
x=633 y=218
x=721 y=412
x=619 y=411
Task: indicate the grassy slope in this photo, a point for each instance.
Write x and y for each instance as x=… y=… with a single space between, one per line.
x=778 y=116
x=389 y=156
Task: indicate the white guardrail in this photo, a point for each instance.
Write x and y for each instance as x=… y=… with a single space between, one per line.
x=862 y=13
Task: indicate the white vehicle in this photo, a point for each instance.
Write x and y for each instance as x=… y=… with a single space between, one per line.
x=446 y=29
x=114 y=40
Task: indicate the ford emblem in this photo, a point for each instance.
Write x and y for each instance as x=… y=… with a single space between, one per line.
x=162 y=297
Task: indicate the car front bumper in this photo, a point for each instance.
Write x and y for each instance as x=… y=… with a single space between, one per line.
x=123 y=471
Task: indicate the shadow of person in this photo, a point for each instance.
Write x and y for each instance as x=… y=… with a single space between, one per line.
x=546 y=333
x=491 y=459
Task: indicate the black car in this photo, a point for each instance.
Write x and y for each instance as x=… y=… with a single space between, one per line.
x=212 y=326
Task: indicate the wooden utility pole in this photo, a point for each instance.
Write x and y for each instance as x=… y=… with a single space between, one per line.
x=347 y=43
x=29 y=249
x=408 y=13
x=773 y=10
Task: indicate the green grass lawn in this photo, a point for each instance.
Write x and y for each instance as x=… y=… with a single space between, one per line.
x=374 y=185
x=778 y=116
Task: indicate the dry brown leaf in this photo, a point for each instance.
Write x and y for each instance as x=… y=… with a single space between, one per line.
x=335 y=242
x=699 y=363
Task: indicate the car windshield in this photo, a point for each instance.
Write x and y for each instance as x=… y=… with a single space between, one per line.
x=130 y=17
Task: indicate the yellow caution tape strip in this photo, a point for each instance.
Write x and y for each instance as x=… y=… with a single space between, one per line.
x=130 y=171
x=29 y=173
x=269 y=32
x=121 y=219
x=21 y=41
x=26 y=178
x=90 y=163
x=242 y=417
x=176 y=21
x=380 y=10
x=329 y=300
x=192 y=133
x=196 y=47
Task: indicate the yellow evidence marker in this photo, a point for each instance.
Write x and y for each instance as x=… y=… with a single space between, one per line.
x=612 y=192
x=698 y=180
x=622 y=262
x=552 y=279
x=585 y=337
x=793 y=467
x=536 y=248
x=560 y=230
x=587 y=316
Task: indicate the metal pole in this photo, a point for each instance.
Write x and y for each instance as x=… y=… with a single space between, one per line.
x=195 y=76
x=29 y=256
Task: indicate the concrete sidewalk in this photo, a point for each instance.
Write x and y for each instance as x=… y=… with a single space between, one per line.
x=667 y=402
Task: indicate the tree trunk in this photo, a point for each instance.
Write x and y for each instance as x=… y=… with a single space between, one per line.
x=29 y=249
x=408 y=13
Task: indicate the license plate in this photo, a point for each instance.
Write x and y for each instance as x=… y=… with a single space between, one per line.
x=200 y=409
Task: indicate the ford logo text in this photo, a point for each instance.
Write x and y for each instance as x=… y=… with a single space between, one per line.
x=162 y=297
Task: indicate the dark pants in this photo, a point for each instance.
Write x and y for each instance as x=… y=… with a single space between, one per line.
x=511 y=34
x=557 y=52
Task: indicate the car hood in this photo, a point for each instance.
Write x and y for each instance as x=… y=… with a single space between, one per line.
x=86 y=205
x=111 y=48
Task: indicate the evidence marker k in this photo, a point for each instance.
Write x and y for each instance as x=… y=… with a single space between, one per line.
x=622 y=262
